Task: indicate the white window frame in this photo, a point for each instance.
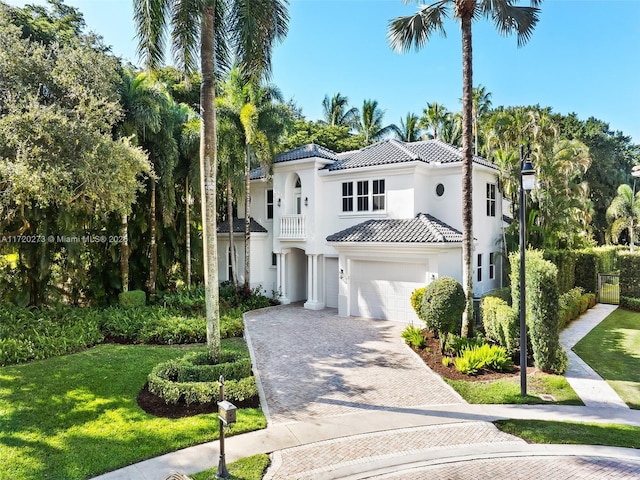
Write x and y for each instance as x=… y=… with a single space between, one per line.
x=269 y=204
x=479 y=267
x=491 y=199
x=379 y=196
x=348 y=196
x=492 y=266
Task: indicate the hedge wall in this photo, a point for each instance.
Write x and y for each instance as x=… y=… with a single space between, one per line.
x=630 y=280
x=542 y=309
x=580 y=268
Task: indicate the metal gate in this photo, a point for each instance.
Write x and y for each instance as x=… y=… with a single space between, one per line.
x=609 y=288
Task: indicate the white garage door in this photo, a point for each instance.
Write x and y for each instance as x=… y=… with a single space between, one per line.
x=383 y=289
x=331 y=282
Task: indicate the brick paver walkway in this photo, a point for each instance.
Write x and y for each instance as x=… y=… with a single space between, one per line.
x=313 y=364
x=523 y=468
x=314 y=460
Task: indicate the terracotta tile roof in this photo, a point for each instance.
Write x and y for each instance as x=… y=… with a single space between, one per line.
x=424 y=228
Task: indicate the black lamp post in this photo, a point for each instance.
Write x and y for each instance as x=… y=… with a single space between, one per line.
x=527 y=181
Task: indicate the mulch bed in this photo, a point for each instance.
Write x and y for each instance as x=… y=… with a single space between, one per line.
x=432 y=357
x=156 y=406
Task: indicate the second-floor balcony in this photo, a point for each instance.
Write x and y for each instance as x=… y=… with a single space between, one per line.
x=292 y=227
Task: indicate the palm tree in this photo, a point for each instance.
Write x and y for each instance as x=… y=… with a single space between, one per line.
x=409 y=130
x=259 y=116
x=624 y=214
x=142 y=101
x=337 y=112
x=414 y=31
x=451 y=129
x=369 y=123
x=434 y=117
x=251 y=28
x=481 y=103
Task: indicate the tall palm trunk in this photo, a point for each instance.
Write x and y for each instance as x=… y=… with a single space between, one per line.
x=187 y=214
x=153 y=254
x=208 y=166
x=247 y=219
x=467 y=168
x=232 y=248
x=124 y=252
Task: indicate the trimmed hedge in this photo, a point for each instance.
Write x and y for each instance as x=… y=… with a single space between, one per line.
x=630 y=274
x=416 y=301
x=580 y=268
x=542 y=310
x=501 y=323
x=630 y=303
x=132 y=298
x=442 y=305
x=172 y=382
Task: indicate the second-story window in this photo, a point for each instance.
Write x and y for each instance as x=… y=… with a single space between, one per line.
x=347 y=197
x=363 y=196
x=378 y=195
x=479 y=269
x=491 y=199
x=269 y=203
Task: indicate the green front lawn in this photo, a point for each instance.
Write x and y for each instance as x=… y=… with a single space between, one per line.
x=613 y=350
x=507 y=390
x=539 y=431
x=76 y=416
x=248 y=468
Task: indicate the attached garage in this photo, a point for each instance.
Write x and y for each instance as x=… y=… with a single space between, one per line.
x=383 y=289
x=385 y=260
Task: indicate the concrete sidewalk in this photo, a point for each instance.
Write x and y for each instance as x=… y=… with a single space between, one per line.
x=347 y=433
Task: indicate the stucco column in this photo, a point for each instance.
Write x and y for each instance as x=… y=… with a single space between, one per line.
x=284 y=299
x=313 y=278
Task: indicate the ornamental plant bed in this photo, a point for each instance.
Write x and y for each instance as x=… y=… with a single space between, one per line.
x=433 y=359
x=154 y=405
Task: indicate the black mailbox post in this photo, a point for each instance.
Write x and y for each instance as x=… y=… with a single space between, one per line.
x=226 y=416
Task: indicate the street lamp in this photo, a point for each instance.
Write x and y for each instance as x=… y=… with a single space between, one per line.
x=527 y=182
x=635 y=171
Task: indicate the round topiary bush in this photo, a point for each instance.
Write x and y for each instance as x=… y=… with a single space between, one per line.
x=442 y=305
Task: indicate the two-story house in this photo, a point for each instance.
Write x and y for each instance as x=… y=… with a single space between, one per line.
x=360 y=230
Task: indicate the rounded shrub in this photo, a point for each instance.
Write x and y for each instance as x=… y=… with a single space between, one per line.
x=416 y=300
x=442 y=305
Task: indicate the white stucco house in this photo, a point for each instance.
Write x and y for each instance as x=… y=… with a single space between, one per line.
x=359 y=231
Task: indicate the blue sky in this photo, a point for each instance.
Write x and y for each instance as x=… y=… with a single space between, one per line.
x=583 y=57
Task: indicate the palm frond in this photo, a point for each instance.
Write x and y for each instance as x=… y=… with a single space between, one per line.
x=255 y=26
x=150 y=18
x=185 y=34
x=415 y=30
x=509 y=18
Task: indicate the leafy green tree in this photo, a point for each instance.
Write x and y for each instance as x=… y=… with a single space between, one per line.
x=333 y=137
x=624 y=215
x=61 y=172
x=414 y=31
x=368 y=123
x=250 y=29
x=337 y=112
x=451 y=129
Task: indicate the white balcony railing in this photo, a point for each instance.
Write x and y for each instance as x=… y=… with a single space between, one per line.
x=292 y=227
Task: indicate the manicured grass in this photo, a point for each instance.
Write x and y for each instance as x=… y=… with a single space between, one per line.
x=76 y=416
x=613 y=350
x=507 y=390
x=539 y=431
x=249 y=468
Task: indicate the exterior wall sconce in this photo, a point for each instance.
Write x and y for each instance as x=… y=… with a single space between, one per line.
x=279 y=201
x=306 y=201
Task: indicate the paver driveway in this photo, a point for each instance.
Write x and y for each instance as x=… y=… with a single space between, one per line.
x=313 y=364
